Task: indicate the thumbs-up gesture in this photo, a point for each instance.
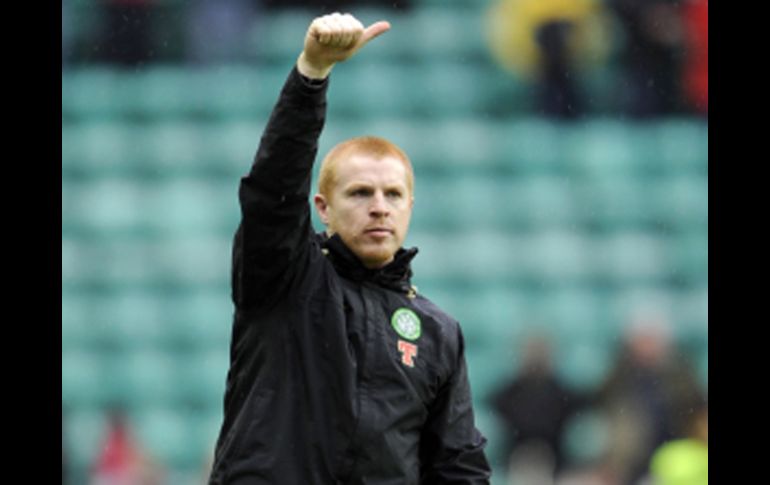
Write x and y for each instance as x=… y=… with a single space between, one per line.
x=334 y=38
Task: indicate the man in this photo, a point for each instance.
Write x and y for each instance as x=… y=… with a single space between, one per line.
x=340 y=373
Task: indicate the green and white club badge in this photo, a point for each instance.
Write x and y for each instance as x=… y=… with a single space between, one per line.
x=406 y=323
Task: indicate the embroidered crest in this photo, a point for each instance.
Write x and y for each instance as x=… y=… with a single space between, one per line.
x=406 y=323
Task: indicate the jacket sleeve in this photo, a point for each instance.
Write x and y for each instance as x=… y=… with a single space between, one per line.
x=451 y=448
x=275 y=228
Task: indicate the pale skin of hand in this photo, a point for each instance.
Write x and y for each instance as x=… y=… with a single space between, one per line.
x=334 y=38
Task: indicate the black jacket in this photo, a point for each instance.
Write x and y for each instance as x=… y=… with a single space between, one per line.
x=325 y=386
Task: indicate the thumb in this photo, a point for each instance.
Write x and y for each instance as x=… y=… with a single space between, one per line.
x=374 y=30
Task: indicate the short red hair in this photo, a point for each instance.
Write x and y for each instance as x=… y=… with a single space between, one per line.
x=365 y=145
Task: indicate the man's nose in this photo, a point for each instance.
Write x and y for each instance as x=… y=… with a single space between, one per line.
x=379 y=206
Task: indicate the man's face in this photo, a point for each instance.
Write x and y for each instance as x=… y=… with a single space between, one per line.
x=369 y=207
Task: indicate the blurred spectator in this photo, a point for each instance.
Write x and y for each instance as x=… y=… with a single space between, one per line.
x=549 y=42
x=127 y=32
x=218 y=30
x=651 y=55
x=645 y=399
x=558 y=92
x=535 y=407
x=122 y=461
x=329 y=6
x=66 y=32
x=684 y=461
x=696 y=68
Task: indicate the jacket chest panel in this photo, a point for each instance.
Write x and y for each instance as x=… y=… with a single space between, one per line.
x=391 y=343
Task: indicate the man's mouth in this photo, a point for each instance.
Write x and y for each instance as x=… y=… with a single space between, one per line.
x=379 y=231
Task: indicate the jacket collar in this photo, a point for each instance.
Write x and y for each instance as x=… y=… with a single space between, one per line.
x=396 y=275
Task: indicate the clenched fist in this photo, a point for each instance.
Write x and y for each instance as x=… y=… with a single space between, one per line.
x=334 y=38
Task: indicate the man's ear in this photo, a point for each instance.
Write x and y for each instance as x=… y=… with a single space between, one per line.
x=322 y=207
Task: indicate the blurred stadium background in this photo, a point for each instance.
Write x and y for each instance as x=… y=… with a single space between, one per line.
x=524 y=222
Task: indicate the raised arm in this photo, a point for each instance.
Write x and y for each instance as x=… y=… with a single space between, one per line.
x=274 y=235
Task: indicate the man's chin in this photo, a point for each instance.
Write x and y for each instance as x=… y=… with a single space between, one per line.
x=375 y=258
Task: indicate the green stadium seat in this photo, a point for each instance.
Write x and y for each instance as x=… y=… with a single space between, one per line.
x=617 y=202
x=83 y=435
x=229 y=146
x=460 y=146
x=467 y=203
x=94 y=147
x=681 y=201
x=560 y=256
x=583 y=363
x=688 y=255
x=628 y=303
x=537 y=202
x=202 y=376
x=203 y=260
x=600 y=146
x=495 y=256
x=173 y=260
x=160 y=92
x=133 y=317
x=102 y=205
x=489 y=366
x=576 y=312
x=206 y=426
x=450 y=88
x=691 y=315
x=491 y=427
x=143 y=376
x=192 y=206
x=629 y=257
x=75 y=313
x=531 y=146
x=234 y=92
x=199 y=318
x=277 y=36
x=367 y=90
x=169 y=147
x=168 y=435
x=434 y=29
x=487 y=314
x=682 y=146
x=83 y=379
x=90 y=93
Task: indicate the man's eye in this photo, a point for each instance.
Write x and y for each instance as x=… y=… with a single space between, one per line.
x=394 y=194
x=360 y=193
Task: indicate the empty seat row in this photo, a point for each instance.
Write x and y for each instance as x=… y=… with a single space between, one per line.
x=192 y=205
x=560 y=255
x=179 y=441
x=428 y=89
x=426 y=31
x=593 y=148
x=138 y=376
x=547 y=255
x=179 y=261
x=200 y=319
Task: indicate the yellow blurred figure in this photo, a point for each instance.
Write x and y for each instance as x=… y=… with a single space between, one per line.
x=513 y=27
x=684 y=461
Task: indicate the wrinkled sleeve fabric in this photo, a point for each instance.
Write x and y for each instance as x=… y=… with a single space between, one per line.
x=275 y=229
x=451 y=448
